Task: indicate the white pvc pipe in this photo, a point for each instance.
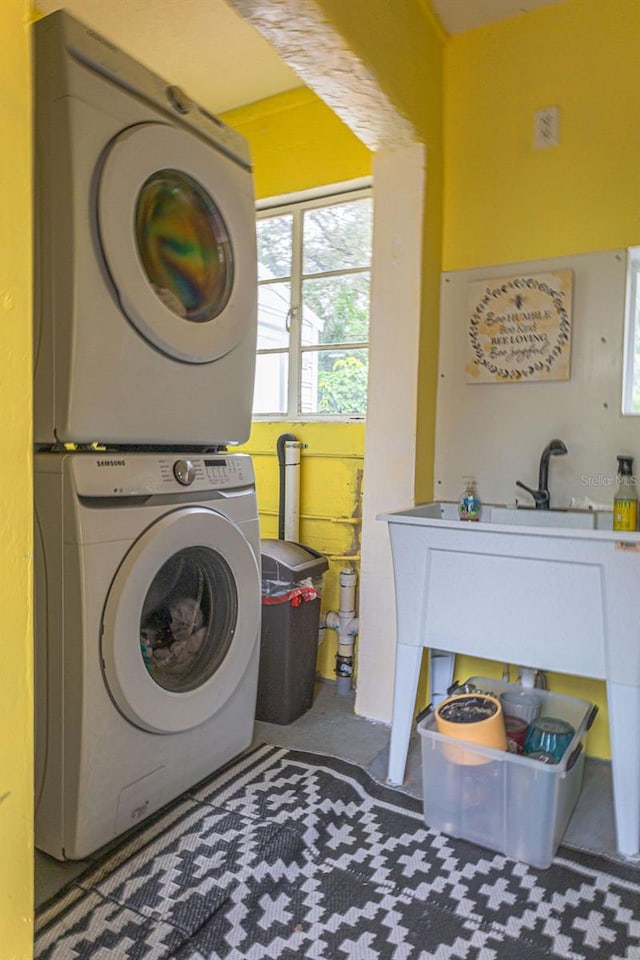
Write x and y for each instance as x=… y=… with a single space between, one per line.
x=292 y=490
x=527 y=676
x=345 y=623
x=348 y=592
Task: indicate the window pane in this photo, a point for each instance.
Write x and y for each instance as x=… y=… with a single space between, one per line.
x=334 y=381
x=274 y=246
x=338 y=236
x=335 y=309
x=272 y=373
x=273 y=307
x=635 y=407
x=631 y=355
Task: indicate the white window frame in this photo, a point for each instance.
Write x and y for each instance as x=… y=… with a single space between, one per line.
x=632 y=320
x=295 y=205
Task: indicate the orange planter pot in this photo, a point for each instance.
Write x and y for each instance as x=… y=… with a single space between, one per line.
x=489 y=731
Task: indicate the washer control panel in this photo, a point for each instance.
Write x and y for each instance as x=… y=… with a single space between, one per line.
x=140 y=474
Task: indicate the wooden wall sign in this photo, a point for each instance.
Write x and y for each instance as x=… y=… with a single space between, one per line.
x=519 y=328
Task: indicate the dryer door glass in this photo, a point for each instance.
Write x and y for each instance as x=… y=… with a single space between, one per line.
x=176 y=224
x=188 y=619
x=184 y=246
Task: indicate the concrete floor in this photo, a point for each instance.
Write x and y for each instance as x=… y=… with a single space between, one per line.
x=332 y=728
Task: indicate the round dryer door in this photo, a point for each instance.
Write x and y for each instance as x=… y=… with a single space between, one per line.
x=181 y=621
x=176 y=221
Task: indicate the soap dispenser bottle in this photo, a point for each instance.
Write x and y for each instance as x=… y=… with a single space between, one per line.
x=469 y=503
x=625 y=502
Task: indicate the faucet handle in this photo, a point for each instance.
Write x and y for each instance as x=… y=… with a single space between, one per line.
x=541 y=497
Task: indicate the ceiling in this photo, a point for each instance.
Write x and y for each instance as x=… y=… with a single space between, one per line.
x=457 y=16
x=219 y=59
x=203 y=46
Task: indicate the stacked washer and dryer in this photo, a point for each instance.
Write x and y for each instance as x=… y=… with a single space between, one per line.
x=147 y=609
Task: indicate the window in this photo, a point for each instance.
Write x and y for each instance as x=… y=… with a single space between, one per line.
x=314 y=276
x=631 y=369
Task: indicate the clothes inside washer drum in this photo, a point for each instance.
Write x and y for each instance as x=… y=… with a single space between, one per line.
x=171 y=640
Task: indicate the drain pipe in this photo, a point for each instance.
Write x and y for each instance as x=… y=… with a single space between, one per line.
x=528 y=677
x=345 y=623
x=532 y=677
x=288 y=449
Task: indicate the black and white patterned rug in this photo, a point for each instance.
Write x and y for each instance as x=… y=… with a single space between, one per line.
x=294 y=855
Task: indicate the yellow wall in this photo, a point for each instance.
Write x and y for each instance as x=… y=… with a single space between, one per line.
x=506 y=201
x=16 y=668
x=298 y=143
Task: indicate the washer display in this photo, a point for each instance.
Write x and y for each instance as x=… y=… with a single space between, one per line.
x=147 y=635
x=146 y=317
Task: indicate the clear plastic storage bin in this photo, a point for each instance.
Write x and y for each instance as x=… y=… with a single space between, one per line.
x=508 y=802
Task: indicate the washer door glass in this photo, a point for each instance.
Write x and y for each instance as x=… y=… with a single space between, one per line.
x=176 y=226
x=188 y=619
x=184 y=246
x=181 y=622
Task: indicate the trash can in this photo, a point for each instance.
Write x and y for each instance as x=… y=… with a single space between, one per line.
x=292 y=577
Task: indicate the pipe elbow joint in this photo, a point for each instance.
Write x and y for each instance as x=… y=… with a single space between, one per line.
x=331 y=620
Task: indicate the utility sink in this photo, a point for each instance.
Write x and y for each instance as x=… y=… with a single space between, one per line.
x=554 y=590
x=519 y=516
x=529 y=517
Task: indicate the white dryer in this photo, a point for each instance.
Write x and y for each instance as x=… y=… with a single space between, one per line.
x=145 y=265
x=147 y=630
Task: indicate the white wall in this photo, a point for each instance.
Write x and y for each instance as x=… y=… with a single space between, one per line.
x=497 y=431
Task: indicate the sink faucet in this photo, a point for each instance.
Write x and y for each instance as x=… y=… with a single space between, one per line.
x=541 y=496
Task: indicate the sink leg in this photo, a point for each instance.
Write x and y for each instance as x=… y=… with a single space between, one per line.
x=624 y=725
x=408 y=662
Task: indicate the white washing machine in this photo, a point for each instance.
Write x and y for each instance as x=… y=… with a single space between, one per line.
x=145 y=265
x=147 y=631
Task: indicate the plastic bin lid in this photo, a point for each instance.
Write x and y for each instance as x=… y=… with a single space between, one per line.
x=287 y=562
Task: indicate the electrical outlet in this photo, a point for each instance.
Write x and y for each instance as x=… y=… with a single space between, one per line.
x=546 y=127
